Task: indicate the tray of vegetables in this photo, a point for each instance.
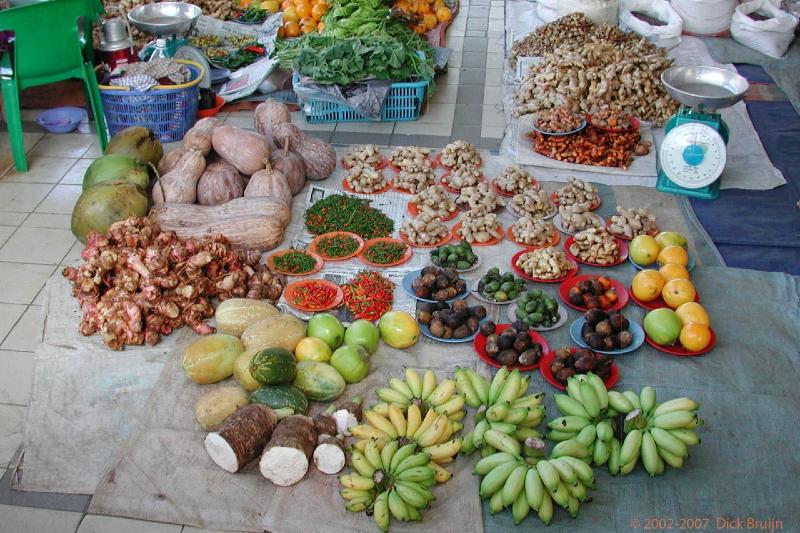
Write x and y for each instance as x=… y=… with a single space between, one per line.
x=432 y=284
x=336 y=245
x=292 y=262
x=458 y=255
x=313 y=295
x=537 y=311
x=455 y=322
x=230 y=52
x=496 y=288
x=385 y=252
x=340 y=212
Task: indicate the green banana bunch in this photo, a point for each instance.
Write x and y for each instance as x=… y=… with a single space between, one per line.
x=537 y=484
x=506 y=414
x=389 y=480
x=425 y=392
x=658 y=434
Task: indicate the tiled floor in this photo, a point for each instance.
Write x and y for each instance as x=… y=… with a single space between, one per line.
x=35 y=239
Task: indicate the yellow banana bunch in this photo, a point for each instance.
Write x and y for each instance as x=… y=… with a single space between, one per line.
x=424 y=391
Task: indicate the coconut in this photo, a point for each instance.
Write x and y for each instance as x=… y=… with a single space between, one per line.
x=105 y=203
x=115 y=167
x=137 y=142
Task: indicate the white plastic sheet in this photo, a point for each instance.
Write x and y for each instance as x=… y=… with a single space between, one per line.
x=770 y=37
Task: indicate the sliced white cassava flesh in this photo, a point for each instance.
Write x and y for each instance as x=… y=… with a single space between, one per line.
x=329 y=455
x=241 y=436
x=286 y=458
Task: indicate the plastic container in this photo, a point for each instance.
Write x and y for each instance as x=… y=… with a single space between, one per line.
x=168 y=110
x=218 y=103
x=61 y=119
x=705 y=17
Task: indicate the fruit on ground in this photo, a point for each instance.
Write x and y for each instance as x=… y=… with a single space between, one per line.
x=692 y=313
x=328 y=328
x=105 y=203
x=670 y=238
x=114 y=167
x=677 y=292
x=695 y=337
x=647 y=285
x=138 y=142
x=312 y=349
x=673 y=254
x=364 y=333
x=352 y=362
x=663 y=326
x=644 y=250
x=398 y=329
x=672 y=271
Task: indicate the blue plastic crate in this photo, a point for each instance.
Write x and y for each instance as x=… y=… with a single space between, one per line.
x=403 y=102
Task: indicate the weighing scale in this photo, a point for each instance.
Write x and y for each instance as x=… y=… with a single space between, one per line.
x=693 y=155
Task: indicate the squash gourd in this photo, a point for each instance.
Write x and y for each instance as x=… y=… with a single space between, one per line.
x=199 y=136
x=210 y=358
x=292 y=167
x=247 y=150
x=215 y=405
x=219 y=183
x=180 y=184
x=171 y=159
x=277 y=331
x=318 y=156
x=269 y=114
x=269 y=183
x=235 y=314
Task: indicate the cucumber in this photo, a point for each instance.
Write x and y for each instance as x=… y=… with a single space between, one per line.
x=319 y=381
x=280 y=397
x=273 y=366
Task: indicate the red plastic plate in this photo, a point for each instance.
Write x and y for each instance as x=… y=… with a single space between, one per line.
x=679 y=350
x=371 y=242
x=312 y=247
x=522 y=274
x=493 y=241
x=442 y=241
x=658 y=303
x=547 y=374
x=552 y=242
x=289 y=291
x=623 y=253
x=414 y=210
x=480 y=348
x=318 y=263
x=622 y=293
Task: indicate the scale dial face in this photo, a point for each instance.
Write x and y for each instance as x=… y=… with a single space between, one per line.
x=693 y=155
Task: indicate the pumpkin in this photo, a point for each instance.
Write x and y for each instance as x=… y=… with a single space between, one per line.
x=271 y=184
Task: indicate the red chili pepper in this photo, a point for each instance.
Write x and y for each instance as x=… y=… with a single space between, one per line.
x=314 y=295
x=369 y=295
x=256 y=49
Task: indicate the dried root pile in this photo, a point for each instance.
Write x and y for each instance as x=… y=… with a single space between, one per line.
x=139 y=283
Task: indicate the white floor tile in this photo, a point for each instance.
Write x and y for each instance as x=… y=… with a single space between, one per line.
x=27 y=333
x=365 y=127
x=9 y=218
x=20 y=283
x=5 y=232
x=12 y=423
x=51 y=246
x=65 y=145
x=94 y=150
x=47 y=220
x=114 y=524
x=17 y=377
x=491 y=95
x=438 y=114
x=299 y=119
x=60 y=200
x=74 y=253
x=75 y=174
x=9 y=314
x=30 y=520
x=417 y=128
x=494 y=77
x=493 y=115
x=190 y=529
x=445 y=94
x=22 y=197
x=42 y=170
x=492 y=132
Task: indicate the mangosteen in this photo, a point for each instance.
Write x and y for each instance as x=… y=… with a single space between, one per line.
x=478 y=311
x=595 y=341
x=423 y=317
x=584 y=365
x=594 y=316
x=584 y=285
x=575 y=296
x=556 y=365
x=505 y=342
x=437 y=327
x=507 y=357
x=584 y=352
x=603 y=328
x=459 y=305
x=472 y=324
x=522 y=342
x=530 y=357
x=441 y=282
x=456 y=319
x=426 y=306
x=624 y=339
x=492 y=347
x=596 y=287
x=609 y=343
x=429 y=270
x=618 y=322
x=450 y=273
x=511 y=332
x=448 y=332
x=487 y=328
x=563 y=354
x=519 y=325
x=441 y=306
x=586 y=330
x=564 y=374
x=462 y=331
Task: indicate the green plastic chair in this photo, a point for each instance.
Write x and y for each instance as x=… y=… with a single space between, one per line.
x=48 y=47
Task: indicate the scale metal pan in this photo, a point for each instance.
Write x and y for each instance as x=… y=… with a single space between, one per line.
x=165 y=18
x=705 y=87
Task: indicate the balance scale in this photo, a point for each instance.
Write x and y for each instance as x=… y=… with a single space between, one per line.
x=693 y=154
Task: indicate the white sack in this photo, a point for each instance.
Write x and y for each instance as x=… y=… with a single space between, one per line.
x=705 y=17
x=770 y=37
x=667 y=36
x=598 y=11
x=547 y=14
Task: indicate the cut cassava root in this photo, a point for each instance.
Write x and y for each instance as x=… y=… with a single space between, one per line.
x=329 y=456
x=286 y=458
x=241 y=436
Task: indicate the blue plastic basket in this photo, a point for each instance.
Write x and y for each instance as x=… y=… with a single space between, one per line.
x=403 y=102
x=168 y=110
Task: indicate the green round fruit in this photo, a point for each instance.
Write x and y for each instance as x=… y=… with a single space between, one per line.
x=352 y=362
x=363 y=333
x=663 y=326
x=328 y=328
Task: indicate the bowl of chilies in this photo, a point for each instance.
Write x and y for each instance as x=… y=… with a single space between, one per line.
x=313 y=295
x=368 y=295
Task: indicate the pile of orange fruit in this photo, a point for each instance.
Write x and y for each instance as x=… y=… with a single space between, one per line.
x=301 y=17
x=426 y=13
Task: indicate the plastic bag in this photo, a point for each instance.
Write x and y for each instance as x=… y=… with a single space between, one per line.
x=547 y=14
x=666 y=36
x=598 y=11
x=705 y=17
x=770 y=37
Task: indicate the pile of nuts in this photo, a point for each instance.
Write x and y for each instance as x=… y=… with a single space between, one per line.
x=425 y=229
x=611 y=119
x=480 y=198
x=595 y=245
x=592 y=147
x=594 y=76
x=532 y=232
x=366 y=155
x=558 y=120
x=545 y=263
x=577 y=194
x=629 y=223
x=479 y=227
x=411 y=156
x=463 y=176
x=573 y=221
x=365 y=179
x=534 y=203
x=516 y=179
x=571 y=29
x=415 y=179
x=458 y=154
x=435 y=201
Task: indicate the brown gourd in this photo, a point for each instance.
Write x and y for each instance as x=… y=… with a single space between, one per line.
x=318 y=156
x=220 y=183
x=269 y=183
x=179 y=185
x=171 y=159
x=250 y=232
x=269 y=114
x=290 y=165
x=185 y=215
x=199 y=136
x=246 y=150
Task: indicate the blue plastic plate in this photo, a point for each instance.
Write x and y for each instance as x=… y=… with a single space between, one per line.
x=427 y=332
x=635 y=329
x=654 y=266
x=409 y=278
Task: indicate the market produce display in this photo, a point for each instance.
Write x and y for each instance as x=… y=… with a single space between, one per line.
x=232 y=51
x=459 y=256
x=606 y=331
x=404 y=157
x=459 y=154
x=368 y=295
x=301 y=17
x=364 y=179
x=533 y=232
x=594 y=246
x=457 y=178
x=515 y=180
x=578 y=195
x=415 y=179
x=434 y=201
x=439 y=284
x=592 y=292
x=340 y=212
x=558 y=120
x=480 y=198
x=478 y=228
x=592 y=146
x=545 y=264
x=313 y=295
x=509 y=346
x=294 y=262
x=337 y=245
x=425 y=230
x=569 y=362
x=456 y=320
x=534 y=203
x=499 y=288
x=612 y=120
x=385 y=251
x=367 y=155
x=629 y=223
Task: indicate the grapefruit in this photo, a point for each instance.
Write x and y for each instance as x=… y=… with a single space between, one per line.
x=695 y=337
x=692 y=313
x=644 y=250
x=670 y=238
x=647 y=285
x=672 y=271
x=677 y=292
x=663 y=326
x=313 y=349
x=673 y=254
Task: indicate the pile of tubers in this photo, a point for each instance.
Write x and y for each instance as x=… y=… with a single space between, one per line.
x=366 y=155
x=535 y=203
x=451 y=321
x=532 y=231
x=595 y=245
x=577 y=194
x=411 y=156
x=511 y=347
x=460 y=154
x=480 y=198
x=467 y=175
x=515 y=180
x=544 y=263
x=365 y=179
x=424 y=230
x=480 y=227
x=574 y=220
x=435 y=201
x=629 y=223
x=438 y=284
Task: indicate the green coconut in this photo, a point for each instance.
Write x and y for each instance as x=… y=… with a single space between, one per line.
x=137 y=142
x=115 y=167
x=100 y=206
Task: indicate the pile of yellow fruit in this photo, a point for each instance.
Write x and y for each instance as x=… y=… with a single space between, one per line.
x=671 y=282
x=426 y=13
x=299 y=16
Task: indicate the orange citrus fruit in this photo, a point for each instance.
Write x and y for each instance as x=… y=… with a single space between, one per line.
x=673 y=254
x=692 y=313
x=647 y=285
x=443 y=14
x=677 y=292
x=672 y=271
x=303 y=10
x=695 y=337
x=319 y=10
x=291 y=29
x=290 y=15
x=644 y=250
